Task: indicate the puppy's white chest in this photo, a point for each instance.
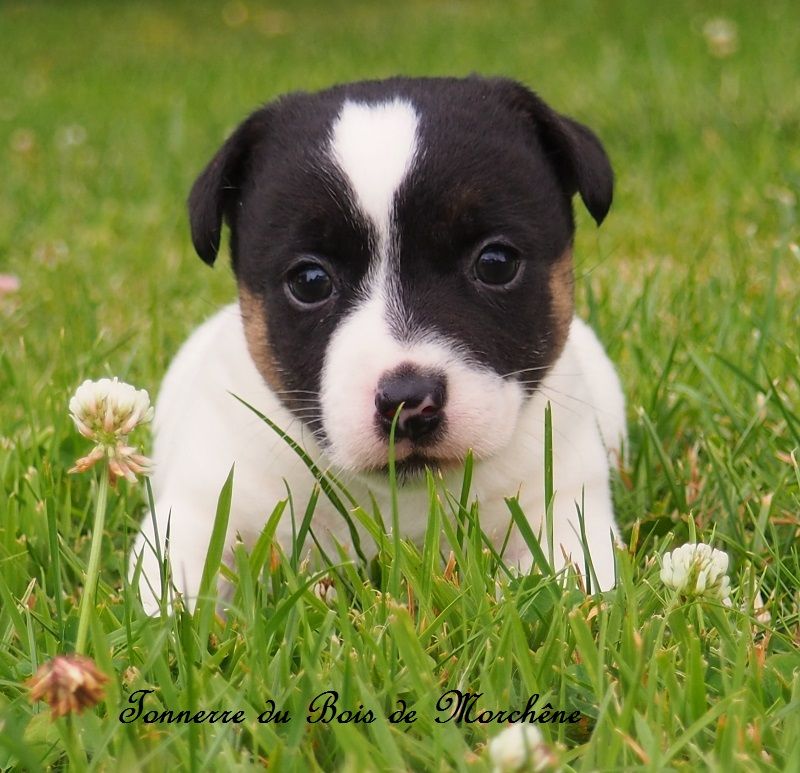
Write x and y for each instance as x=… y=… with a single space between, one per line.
x=202 y=429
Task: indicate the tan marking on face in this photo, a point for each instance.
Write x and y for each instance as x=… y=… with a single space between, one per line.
x=256 y=332
x=562 y=294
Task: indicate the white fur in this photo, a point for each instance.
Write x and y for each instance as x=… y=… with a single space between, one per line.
x=374 y=146
x=201 y=430
x=363 y=349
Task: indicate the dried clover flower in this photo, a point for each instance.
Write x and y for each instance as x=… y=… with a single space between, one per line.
x=68 y=684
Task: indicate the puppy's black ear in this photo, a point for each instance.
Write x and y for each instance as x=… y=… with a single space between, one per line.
x=216 y=191
x=577 y=155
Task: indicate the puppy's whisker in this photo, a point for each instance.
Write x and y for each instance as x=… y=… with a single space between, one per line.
x=560 y=404
x=525 y=370
x=596 y=408
x=539 y=382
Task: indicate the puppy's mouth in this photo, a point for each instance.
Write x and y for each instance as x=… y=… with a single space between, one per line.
x=412 y=466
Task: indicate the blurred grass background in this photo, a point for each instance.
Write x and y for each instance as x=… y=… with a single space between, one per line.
x=108 y=111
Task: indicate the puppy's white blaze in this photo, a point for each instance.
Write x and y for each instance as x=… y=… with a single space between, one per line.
x=374 y=146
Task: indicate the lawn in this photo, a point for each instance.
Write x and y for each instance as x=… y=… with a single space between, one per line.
x=109 y=110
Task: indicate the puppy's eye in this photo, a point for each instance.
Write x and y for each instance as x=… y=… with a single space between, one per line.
x=496 y=265
x=310 y=284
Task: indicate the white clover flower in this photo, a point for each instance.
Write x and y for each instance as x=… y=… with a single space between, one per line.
x=520 y=747
x=759 y=609
x=697 y=569
x=325 y=591
x=107 y=411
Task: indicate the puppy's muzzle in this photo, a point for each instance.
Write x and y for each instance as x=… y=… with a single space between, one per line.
x=422 y=397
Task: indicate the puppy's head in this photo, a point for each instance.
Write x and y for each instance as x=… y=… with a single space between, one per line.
x=403 y=243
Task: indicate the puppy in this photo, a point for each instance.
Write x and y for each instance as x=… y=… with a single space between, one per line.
x=399 y=245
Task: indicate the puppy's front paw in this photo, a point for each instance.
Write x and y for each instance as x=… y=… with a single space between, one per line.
x=180 y=562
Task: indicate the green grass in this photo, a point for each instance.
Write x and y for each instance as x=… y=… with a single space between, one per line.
x=107 y=111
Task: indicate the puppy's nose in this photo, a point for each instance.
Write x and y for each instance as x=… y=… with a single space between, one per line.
x=422 y=397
